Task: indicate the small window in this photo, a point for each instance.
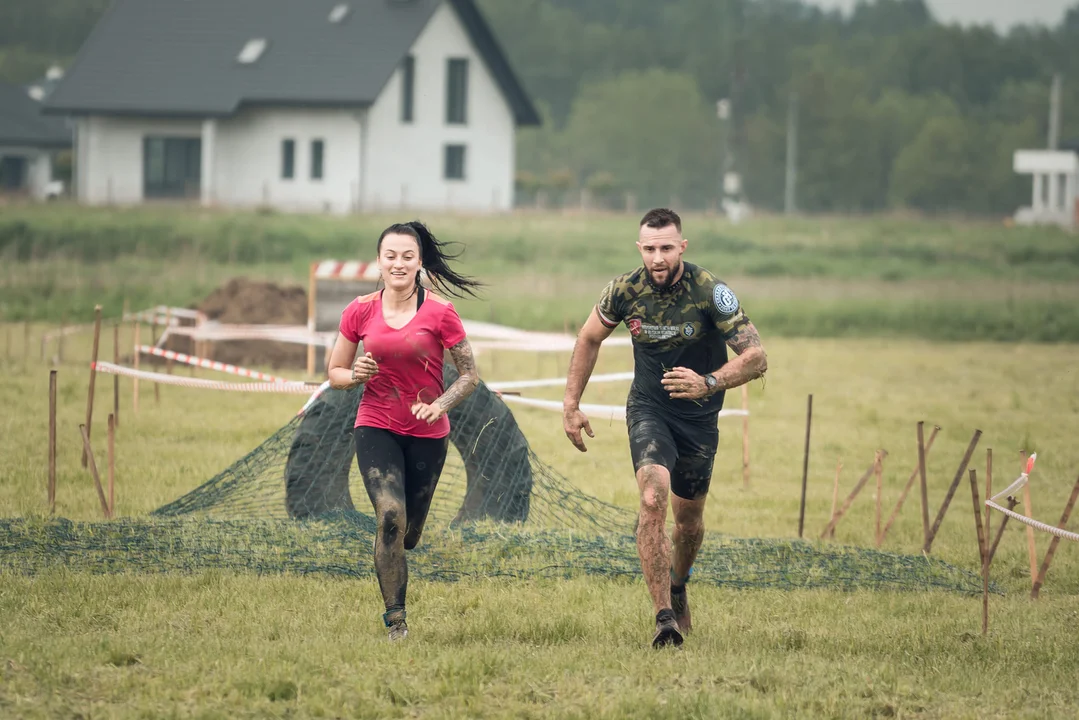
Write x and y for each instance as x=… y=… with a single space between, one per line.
x=457 y=91
x=455 y=162
x=339 y=13
x=408 y=85
x=288 y=159
x=252 y=51
x=317 y=147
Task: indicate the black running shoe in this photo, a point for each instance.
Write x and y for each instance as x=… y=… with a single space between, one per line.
x=680 y=606
x=667 y=632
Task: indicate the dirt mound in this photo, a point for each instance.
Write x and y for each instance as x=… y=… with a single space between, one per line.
x=253 y=302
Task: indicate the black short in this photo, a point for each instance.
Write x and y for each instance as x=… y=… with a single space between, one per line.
x=687 y=448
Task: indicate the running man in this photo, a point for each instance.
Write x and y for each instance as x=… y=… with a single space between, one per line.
x=681 y=319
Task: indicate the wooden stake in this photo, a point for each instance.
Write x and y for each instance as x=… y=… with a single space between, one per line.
x=25 y=342
x=985 y=562
x=153 y=342
x=914 y=475
x=1054 y=542
x=924 y=486
x=745 y=437
x=951 y=490
x=52 y=442
x=878 y=471
x=977 y=515
x=93 y=378
x=116 y=378
x=135 y=381
x=835 y=495
x=805 y=465
x=93 y=471
x=830 y=528
x=112 y=465
x=1032 y=548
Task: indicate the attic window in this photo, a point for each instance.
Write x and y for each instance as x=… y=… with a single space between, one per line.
x=339 y=12
x=252 y=51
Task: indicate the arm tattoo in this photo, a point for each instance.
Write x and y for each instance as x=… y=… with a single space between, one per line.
x=468 y=378
x=751 y=362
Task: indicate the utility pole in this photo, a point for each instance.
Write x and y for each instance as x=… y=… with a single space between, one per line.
x=789 y=200
x=1054 y=112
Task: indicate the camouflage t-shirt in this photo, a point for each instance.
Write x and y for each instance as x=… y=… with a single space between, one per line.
x=685 y=325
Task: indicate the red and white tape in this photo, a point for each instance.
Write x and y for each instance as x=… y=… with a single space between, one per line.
x=288 y=388
x=346 y=270
x=209 y=364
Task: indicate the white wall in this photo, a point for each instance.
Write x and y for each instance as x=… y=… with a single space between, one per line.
x=248 y=162
x=110 y=155
x=38 y=168
x=404 y=161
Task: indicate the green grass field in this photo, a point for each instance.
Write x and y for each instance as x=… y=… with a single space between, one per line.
x=217 y=644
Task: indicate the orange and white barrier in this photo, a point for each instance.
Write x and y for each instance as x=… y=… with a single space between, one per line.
x=209 y=364
x=291 y=388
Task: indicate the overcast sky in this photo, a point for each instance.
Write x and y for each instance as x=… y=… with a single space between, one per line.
x=1001 y=13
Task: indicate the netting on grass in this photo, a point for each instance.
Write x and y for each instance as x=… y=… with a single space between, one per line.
x=290 y=506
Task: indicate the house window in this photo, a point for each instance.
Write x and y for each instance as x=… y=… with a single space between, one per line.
x=317 y=148
x=455 y=162
x=171 y=167
x=408 y=87
x=457 y=91
x=288 y=159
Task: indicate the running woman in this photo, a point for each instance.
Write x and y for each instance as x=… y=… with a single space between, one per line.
x=402 y=427
x=682 y=319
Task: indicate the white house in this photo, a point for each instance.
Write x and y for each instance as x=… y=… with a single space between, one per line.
x=28 y=142
x=1055 y=196
x=316 y=105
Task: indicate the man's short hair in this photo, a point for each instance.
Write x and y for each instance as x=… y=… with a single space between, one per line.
x=660 y=218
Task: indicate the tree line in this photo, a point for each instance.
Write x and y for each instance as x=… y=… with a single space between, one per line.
x=893 y=109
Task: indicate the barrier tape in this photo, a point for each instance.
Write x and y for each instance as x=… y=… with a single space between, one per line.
x=1015 y=487
x=553 y=382
x=209 y=364
x=605 y=412
x=292 y=388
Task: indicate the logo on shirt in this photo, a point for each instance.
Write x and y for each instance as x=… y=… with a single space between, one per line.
x=688 y=330
x=724 y=299
x=634 y=326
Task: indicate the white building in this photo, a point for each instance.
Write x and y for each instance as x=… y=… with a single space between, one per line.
x=1055 y=196
x=314 y=105
x=28 y=144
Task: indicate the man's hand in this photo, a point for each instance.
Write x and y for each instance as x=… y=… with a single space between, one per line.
x=430 y=413
x=573 y=421
x=684 y=384
x=364 y=368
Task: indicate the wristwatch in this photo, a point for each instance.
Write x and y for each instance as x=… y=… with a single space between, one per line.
x=710 y=381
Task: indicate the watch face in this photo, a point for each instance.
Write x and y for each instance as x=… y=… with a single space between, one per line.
x=710 y=380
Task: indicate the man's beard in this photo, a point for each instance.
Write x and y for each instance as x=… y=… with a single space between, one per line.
x=668 y=281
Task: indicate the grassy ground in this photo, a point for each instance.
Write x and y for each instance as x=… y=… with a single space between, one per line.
x=799 y=277
x=223 y=645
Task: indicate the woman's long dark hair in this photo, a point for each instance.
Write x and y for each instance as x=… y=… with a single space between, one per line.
x=434 y=257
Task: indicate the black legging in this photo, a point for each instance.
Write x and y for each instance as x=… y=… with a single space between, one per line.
x=400 y=473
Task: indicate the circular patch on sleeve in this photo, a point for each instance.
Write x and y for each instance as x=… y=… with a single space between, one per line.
x=725 y=300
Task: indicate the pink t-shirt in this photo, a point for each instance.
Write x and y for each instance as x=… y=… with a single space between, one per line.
x=409 y=362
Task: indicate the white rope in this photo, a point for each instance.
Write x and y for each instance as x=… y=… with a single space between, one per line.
x=604 y=412
x=553 y=382
x=1051 y=529
x=290 y=388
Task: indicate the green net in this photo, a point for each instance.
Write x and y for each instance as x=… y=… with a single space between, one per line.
x=289 y=506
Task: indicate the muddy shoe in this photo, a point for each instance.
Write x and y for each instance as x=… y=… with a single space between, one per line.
x=395 y=621
x=667 y=632
x=680 y=606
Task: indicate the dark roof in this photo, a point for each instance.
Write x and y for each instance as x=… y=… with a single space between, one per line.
x=179 y=58
x=22 y=122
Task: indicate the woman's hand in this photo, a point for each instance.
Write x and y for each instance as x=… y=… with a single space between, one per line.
x=429 y=412
x=364 y=368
